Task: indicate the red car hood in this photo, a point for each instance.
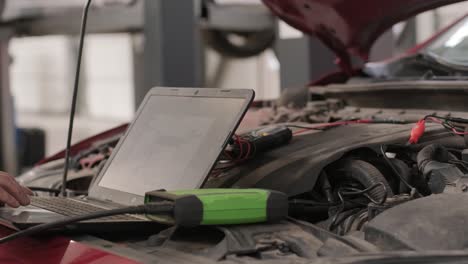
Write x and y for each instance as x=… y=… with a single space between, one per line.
x=349 y=27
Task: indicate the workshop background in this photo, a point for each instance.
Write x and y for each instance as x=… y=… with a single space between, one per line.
x=42 y=66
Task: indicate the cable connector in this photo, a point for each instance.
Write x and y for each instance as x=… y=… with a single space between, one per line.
x=417 y=132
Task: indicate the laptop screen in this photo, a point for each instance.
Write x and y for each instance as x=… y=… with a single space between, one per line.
x=172 y=143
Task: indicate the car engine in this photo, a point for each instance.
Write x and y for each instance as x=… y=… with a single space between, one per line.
x=356 y=186
x=361 y=187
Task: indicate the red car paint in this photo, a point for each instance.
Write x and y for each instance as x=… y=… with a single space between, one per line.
x=349 y=27
x=54 y=250
x=85 y=144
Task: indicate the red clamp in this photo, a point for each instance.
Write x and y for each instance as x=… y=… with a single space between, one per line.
x=418 y=131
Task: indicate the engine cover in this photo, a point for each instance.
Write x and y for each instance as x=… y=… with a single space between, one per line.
x=436 y=222
x=294 y=168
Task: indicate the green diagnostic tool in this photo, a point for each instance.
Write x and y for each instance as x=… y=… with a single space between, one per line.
x=220 y=206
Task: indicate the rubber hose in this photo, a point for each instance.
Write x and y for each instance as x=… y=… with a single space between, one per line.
x=368 y=175
x=448 y=142
x=428 y=154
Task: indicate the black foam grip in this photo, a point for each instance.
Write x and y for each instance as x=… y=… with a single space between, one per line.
x=277 y=206
x=188 y=211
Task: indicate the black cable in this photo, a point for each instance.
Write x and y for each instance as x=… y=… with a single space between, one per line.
x=453 y=119
x=344 y=217
x=349 y=191
x=150 y=209
x=374 y=121
x=362 y=218
x=349 y=222
x=56 y=192
x=84 y=23
x=315 y=203
x=448 y=123
x=311 y=203
x=353 y=191
x=397 y=173
x=331 y=227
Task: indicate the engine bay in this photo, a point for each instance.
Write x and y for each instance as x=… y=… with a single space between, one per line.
x=357 y=186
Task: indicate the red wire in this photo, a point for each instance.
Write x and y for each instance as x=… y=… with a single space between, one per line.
x=248 y=149
x=435 y=120
x=457 y=132
x=240 y=141
x=241 y=151
x=228 y=155
x=334 y=124
x=454 y=130
x=241 y=157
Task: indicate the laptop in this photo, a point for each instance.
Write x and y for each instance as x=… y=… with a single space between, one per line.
x=172 y=144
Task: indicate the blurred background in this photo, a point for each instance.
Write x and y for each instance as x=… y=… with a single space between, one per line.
x=128 y=51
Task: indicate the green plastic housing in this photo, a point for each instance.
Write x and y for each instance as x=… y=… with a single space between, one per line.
x=221 y=206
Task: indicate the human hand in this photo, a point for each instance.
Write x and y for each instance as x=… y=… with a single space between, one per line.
x=12 y=193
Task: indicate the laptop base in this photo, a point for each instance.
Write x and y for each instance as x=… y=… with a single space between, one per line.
x=29 y=216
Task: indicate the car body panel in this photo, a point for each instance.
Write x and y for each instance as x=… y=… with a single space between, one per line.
x=54 y=250
x=349 y=27
x=87 y=143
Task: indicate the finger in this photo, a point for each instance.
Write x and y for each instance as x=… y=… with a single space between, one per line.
x=27 y=191
x=20 y=193
x=24 y=200
x=13 y=189
x=5 y=197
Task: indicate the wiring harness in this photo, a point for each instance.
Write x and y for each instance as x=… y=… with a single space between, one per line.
x=455 y=125
x=351 y=191
x=242 y=148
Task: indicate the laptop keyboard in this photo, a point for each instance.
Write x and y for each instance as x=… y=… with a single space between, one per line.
x=70 y=207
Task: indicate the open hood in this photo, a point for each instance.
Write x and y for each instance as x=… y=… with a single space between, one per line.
x=349 y=27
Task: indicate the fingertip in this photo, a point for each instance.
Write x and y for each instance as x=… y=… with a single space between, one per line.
x=28 y=191
x=23 y=199
x=25 y=202
x=14 y=204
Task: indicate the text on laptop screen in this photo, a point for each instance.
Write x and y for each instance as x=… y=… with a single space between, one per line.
x=172 y=144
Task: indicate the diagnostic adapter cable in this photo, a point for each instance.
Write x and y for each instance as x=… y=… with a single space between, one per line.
x=76 y=85
x=147 y=209
x=191 y=208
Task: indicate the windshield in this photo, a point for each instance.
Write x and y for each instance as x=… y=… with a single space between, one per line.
x=452 y=46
